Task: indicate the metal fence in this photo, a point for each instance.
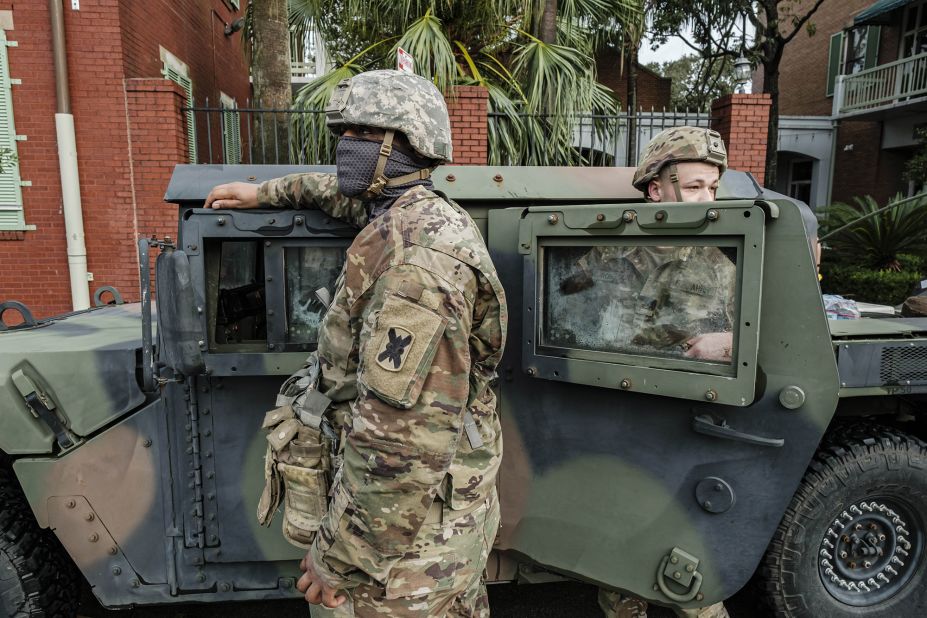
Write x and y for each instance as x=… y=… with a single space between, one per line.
x=248 y=135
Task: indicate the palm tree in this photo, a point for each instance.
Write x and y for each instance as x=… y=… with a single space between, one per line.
x=534 y=57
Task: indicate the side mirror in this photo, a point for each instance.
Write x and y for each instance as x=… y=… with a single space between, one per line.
x=180 y=331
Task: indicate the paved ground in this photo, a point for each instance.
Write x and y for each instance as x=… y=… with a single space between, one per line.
x=561 y=600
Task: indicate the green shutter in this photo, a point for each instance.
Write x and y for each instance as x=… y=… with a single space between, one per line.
x=833 y=61
x=231 y=137
x=187 y=86
x=11 y=196
x=872 y=46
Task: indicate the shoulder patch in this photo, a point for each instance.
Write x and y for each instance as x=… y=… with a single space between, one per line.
x=397 y=341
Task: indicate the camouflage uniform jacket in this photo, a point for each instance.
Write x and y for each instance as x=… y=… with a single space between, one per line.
x=410 y=344
x=650 y=298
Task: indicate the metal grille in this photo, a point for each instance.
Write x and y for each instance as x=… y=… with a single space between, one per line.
x=904 y=364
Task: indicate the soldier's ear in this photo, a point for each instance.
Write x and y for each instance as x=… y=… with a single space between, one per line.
x=655 y=190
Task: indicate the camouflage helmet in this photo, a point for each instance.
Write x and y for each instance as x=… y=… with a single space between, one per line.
x=679 y=145
x=396 y=100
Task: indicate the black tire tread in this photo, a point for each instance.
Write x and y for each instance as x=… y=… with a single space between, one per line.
x=47 y=575
x=841 y=450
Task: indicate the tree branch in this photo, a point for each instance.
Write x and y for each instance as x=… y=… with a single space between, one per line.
x=801 y=22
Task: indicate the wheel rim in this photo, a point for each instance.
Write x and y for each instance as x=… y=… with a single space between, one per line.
x=870 y=551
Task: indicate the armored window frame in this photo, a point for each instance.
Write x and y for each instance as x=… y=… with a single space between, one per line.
x=738 y=223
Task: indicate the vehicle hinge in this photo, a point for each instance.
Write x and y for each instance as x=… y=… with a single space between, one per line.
x=43 y=408
x=193 y=513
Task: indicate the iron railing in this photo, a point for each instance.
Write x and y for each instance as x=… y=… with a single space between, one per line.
x=599 y=140
x=886 y=85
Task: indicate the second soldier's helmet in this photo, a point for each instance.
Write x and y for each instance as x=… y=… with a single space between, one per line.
x=396 y=100
x=679 y=145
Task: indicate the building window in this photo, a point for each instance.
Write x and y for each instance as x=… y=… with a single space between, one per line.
x=11 y=198
x=855 y=56
x=800 y=175
x=852 y=51
x=177 y=71
x=914 y=33
x=231 y=130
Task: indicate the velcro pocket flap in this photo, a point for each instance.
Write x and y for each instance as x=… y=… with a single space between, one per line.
x=281 y=435
x=397 y=360
x=278 y=415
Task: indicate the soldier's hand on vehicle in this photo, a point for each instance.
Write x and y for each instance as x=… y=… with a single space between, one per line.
x=314 y=589
x=233 y=195
x=710 y=346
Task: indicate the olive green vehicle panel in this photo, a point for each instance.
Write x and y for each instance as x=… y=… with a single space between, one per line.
x=598 y=482
x=91 y=354
x=877 y=327
x=601 y=483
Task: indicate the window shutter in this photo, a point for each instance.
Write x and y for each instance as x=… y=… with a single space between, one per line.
x=231 y=136
x=872 y=46
x=833 y=61
x=11 y=197
x=187 y=85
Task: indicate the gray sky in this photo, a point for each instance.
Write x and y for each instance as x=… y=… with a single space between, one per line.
x=673 y=49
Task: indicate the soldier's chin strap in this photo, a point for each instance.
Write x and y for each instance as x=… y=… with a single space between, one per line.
x=380 y=181
x=674 y=178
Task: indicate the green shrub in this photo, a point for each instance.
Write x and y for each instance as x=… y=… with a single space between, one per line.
x=885 y=287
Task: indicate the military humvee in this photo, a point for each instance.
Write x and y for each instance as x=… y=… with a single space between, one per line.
x=131 y=456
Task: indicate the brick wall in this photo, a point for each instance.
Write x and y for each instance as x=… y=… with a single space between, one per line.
x=742 y=120
x=861 y=167
x=122 y=186
x=653 y=91
x=194 y=32
x=468 y=107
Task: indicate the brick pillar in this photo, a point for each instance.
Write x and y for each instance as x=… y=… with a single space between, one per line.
x=743 y=122
x=468 y=107
x=159 y=142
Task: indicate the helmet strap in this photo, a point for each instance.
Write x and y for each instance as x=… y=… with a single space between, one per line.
x=380 y=181
x=674 y=178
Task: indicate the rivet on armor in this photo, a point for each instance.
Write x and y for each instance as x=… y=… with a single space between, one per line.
x=450 y=178
x=660 y=216
x=117 y=570
x=497 y=177
x=710 y=395
x=94 y=537
x=713 y=215
x=71 y=504
x=625 y=384
x=628 y=216
x=553 y=219
x=600 y=217
x=89 y=516
x=112 y=550
x=220 y=221
x=298 y=220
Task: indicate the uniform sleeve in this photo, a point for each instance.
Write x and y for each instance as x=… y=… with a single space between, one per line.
x=413 y=384
x=312 y=190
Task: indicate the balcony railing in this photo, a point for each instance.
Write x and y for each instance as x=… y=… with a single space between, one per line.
x=302 y=72
x=886 y=85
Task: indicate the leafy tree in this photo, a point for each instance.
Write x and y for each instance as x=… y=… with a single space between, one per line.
x=535 y=58
x=717 y=31
x=696 y=81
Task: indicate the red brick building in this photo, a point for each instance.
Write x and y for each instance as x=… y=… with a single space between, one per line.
x=865 y=67
x=653 y=91
x=129 y=130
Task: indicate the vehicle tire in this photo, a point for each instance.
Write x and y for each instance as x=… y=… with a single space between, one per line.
x=852 y=542
x=37 y=579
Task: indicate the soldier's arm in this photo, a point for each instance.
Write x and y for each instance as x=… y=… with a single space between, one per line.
x=312 y=190
x=413 y=383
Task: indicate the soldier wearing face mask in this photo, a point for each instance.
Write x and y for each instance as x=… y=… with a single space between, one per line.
x=406 y=353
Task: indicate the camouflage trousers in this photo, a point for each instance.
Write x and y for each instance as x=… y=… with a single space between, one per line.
x=616 y=605
x=441 y=576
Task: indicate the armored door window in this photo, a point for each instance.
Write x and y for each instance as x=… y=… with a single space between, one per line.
x=651 y=298
x=311 y=273
x=667 y=302
x=240 y=304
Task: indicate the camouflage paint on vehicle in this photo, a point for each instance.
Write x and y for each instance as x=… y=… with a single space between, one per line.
x=602 y=481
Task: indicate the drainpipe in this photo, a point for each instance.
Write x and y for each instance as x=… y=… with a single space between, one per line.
x=67 y=162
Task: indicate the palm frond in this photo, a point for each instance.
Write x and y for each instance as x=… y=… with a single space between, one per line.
x=434 y=57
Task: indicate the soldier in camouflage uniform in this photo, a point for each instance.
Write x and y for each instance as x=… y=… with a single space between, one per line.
x=684 y=164
x=407 y=350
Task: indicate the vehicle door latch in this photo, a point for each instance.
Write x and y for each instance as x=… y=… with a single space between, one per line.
x=42 y=407
x=680 y=569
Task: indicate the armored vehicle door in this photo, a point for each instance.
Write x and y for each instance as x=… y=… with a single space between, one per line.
x=660 y=397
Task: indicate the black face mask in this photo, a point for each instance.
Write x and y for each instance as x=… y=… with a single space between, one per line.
x=356 y=160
